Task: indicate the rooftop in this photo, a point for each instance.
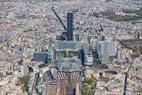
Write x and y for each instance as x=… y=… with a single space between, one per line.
x=68 y=45
x=69 y=65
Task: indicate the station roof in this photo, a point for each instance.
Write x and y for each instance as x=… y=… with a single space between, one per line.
x=67 y=45
x=69 y=65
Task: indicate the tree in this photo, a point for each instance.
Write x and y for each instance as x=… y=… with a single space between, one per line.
x=24 y=81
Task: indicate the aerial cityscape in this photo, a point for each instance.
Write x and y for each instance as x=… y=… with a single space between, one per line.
x=70 y=47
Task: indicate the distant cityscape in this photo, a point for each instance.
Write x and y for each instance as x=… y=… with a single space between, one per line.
x=70 y=47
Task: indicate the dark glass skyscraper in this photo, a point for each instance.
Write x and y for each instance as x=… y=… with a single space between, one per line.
x=70 y=26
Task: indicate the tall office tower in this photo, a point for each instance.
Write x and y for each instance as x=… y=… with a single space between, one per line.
x=70 y=26
x=106 y=49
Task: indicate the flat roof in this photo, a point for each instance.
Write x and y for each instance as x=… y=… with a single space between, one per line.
x=69 y=65
x=67 y=45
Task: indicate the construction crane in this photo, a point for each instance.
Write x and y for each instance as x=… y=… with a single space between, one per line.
x=59 y=18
